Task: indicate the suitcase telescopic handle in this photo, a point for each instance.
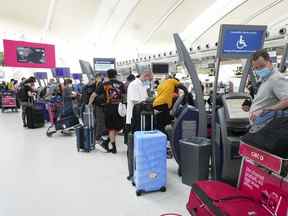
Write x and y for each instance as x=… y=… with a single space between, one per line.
x=150 y=132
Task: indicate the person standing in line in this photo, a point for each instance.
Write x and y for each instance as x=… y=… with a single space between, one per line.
x=97 y=100
x=113 y=91
x=164 y=101
x=136 y=94
x=26 y=97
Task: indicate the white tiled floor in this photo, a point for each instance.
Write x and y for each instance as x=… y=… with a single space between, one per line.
x=43 y=176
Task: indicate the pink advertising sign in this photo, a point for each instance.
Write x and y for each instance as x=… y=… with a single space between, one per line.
x=270 y=190
x=27 y=54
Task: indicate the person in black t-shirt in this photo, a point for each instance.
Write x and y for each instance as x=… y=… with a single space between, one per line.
x=27 y=97
x=113 y=91
x=97 y=100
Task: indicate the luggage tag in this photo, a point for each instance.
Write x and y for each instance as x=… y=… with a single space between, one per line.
x=153 y=175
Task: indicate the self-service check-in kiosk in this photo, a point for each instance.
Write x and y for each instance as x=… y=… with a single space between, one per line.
x=231 y=123
x=192 y=121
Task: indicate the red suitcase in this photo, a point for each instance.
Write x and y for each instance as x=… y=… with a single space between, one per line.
x=213 y=198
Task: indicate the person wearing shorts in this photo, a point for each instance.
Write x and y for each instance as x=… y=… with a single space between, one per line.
x=113 y=91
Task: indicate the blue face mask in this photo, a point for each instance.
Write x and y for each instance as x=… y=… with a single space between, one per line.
x=146 y=83
x=263 y=73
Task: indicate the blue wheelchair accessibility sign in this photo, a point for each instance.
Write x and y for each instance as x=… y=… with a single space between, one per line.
x=241 y=41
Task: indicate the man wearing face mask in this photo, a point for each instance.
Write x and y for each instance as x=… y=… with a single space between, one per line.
x=272 y=95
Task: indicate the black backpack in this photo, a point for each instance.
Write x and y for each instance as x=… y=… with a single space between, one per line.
x=21 y=94
x=273 y=137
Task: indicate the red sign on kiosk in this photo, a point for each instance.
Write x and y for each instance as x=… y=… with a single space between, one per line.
x=268 y=189
x=270 y=161
x=26 y=54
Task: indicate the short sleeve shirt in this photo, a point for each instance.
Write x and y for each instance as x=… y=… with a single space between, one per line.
x=165 y=92
x=113 y=91
x=270 y=92
x=136 y=93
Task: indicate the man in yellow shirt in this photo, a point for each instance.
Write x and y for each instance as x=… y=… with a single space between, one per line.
x=164 y=101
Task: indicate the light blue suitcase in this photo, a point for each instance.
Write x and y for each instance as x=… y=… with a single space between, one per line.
x=150 y=165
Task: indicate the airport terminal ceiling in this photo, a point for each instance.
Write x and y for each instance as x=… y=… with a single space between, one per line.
x=127 y=29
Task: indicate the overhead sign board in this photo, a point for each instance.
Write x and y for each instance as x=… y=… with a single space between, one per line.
x=62 y=72
x=240 y=41
x=104 y=64
x=41 y=75
x=77 y=76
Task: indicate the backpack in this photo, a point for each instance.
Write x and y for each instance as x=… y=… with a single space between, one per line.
x=21 y=93
x=86 y=93
x=273 y=137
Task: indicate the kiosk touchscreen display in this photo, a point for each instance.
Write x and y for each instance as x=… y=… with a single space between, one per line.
x=234 y=109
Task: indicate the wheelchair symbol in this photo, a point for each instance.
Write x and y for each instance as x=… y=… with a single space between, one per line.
x=241 y=43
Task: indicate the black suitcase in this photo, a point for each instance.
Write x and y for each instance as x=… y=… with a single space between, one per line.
x=85 y=139
x=130 y=154
x=147 y=123
x=35 y=118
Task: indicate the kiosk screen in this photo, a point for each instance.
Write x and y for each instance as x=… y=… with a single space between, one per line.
x=234 y=109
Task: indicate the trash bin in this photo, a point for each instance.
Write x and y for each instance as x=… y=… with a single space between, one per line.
x=195 y=158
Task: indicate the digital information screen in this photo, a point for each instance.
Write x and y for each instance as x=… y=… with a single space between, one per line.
x=31 y=55
x=103 y=64
x=160 y=68
x=235 y=111
x=240 y=41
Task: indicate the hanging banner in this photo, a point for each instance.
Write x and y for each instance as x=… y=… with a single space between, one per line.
x=27 y=54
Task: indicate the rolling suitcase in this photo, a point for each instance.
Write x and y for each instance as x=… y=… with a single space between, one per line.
x=130 y=140
x=85 y=139
x=42 y=107
x=150 y=168
x=130 y=155
x=85 y=135
x=213 y=198
x=35 y=118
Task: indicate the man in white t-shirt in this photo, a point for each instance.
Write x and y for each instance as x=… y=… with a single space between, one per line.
x=136 y=93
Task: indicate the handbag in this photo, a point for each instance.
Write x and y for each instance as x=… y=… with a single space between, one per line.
x=122 y=110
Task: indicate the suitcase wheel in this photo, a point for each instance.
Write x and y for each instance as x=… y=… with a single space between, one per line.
x=139 y=192
x=133 y=183
x=163 y=189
